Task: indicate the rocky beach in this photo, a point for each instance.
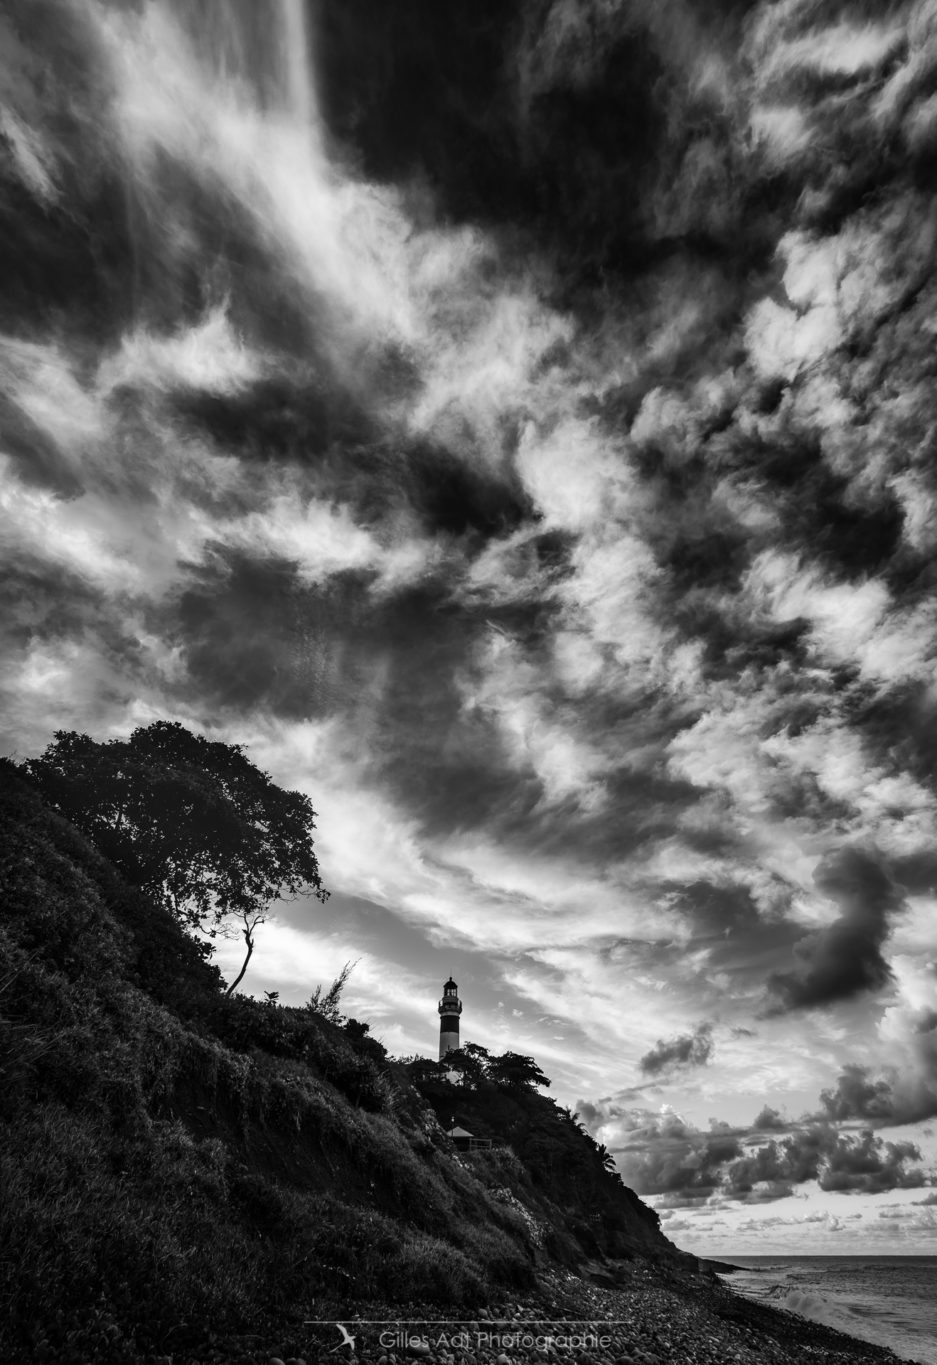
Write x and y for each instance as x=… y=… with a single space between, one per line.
x=654 y=1315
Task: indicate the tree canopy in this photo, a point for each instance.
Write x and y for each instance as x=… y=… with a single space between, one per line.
x=478 y=1069
x=191 y=820
x=516 y=1072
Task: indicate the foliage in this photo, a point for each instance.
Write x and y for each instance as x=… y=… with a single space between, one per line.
x=561 y=1164
x=186 y=819
x=326 y=1004
x=469 y=1062
x=426 y=1071
x=281 y=1031
x=478 y=1070
x=172 y=1156
x=516 y=1072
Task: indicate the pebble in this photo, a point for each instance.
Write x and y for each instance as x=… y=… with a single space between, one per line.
x=647 y=1320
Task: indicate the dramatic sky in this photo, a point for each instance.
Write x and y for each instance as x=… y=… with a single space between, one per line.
x=514 y=421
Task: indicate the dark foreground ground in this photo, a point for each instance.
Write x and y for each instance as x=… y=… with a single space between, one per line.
x=649 y=1317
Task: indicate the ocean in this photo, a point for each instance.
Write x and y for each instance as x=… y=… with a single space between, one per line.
x=889 y=1300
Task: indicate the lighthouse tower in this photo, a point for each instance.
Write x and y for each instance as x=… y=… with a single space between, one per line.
x=450 y=1007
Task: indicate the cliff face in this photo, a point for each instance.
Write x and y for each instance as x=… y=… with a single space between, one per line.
x=169 y=1154
x=549 y=1164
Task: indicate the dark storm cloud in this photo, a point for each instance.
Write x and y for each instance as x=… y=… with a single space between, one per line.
x=687 y=1050
x=667 y=1156
x=869 y=1165
x=282 y=417
x=771 y=1171
x=646 y=805
x=333 y=431
x=908 y=1094
x=52 y=267
x=857 y=1096
x=534 y=96
x=845 y=958
x=663 y=1154
x=255 y=634
x=738 y=936
x=44 y=600
x=717 y=911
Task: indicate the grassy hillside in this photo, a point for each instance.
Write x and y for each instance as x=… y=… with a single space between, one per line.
x=170 y=1156
x=542 y=1156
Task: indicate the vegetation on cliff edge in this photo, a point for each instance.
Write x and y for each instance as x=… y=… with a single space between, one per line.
x=171 y=1154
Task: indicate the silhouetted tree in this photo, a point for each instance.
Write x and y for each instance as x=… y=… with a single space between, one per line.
x=470 y=1061
x=516 y=1072
x=424 y=1071
x=607 y=1160
x=188 y=819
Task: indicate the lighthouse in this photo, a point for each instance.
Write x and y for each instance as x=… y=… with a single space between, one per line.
x=450 y=1007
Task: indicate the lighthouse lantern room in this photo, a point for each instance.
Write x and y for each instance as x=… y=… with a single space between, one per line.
x=450 y=1007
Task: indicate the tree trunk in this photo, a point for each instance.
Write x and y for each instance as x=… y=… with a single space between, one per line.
x=249 y=940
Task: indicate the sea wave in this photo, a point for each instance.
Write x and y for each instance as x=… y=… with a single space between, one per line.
x=813 y=1306
x=890 y=1304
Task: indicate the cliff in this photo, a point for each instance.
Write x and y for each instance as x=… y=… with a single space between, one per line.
x=543 y=1160
x=172 y=1158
